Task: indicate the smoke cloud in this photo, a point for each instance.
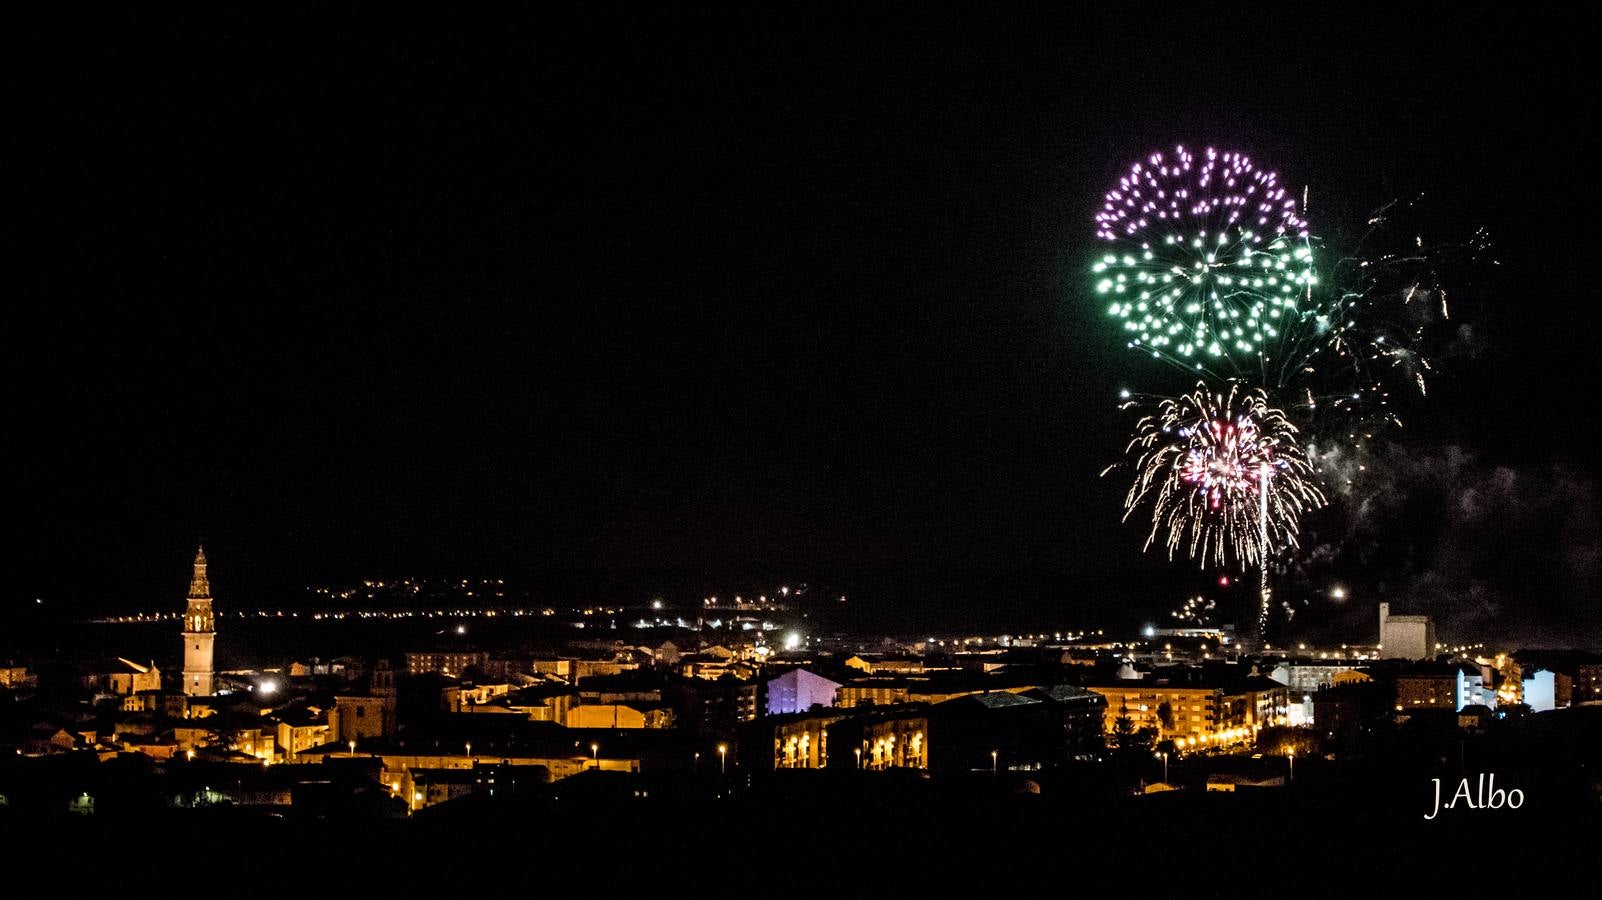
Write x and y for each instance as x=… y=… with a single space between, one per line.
x=1492 y=552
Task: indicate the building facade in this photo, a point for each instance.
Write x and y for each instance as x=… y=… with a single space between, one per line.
x=841 y=739
x=1196 y=715
x=798 y=691
x=450 y=664
x=1309 y=676
x=1472 y=688
x=1426 y=686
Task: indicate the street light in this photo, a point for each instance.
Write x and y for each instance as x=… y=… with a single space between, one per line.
x=353 y=747
x=723 y=758
x=1293 y=764
x=993 y=756
x=859 y=757
x=1164 y=755
x=469 y=753
x=595 y=754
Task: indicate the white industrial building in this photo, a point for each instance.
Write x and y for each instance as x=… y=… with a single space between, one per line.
x=1405 y=637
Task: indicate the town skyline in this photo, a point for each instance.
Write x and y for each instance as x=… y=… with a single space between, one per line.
x=491 y=715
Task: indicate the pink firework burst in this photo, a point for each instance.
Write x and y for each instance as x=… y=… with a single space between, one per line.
x=1212 y=190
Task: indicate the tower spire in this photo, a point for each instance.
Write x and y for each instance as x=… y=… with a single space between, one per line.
x=199 y=586
x=200 y=632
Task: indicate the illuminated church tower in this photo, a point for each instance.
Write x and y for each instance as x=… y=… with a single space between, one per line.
x=200 y=631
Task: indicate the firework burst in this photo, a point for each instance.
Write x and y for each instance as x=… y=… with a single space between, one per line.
x=1224 y=475
x=1208 y=265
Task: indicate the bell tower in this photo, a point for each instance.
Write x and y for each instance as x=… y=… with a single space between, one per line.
x=200 y=631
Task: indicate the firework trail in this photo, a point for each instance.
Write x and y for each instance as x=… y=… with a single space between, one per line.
x=1225 y=477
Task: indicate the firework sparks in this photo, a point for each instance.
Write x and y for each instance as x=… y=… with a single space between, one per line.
x=1224 y=474
x=1390 y=321
x=1195 y=611
x=1208 y=263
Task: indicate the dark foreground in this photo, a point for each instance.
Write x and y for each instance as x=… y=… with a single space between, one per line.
x=826 y=835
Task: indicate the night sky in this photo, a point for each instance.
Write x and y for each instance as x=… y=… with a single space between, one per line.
x=618 y=301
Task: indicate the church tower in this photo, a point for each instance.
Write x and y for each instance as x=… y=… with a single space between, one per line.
x=200 y=630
